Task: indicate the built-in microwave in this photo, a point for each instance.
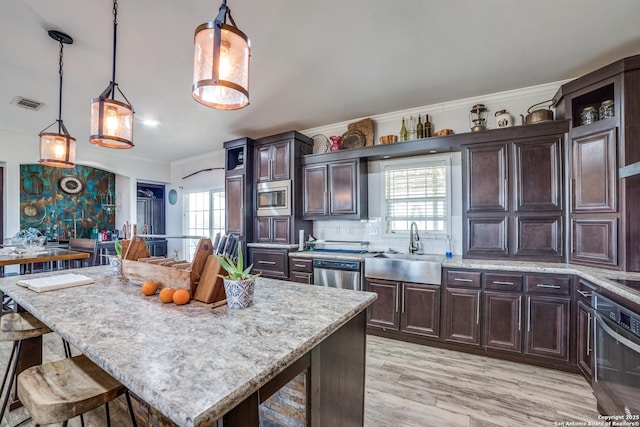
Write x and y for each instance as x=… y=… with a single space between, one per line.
x=273 y=198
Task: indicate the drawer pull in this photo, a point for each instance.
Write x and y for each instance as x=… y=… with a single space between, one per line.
x=457 y=279
x=543 y=285
x=267 y=262
x=299 y=265
x=498 y=282
x=584 y=293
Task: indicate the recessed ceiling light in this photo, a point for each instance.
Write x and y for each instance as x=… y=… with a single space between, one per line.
x=150 y=123
x=433 y=151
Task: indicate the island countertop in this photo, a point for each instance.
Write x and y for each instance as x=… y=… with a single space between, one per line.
x=190 y=362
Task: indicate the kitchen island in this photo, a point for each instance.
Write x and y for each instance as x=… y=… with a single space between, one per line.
x=195 y=364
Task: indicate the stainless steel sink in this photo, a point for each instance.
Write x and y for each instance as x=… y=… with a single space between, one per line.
x=416 y=268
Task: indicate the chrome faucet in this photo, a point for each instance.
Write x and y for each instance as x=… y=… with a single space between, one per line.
x=413 y=238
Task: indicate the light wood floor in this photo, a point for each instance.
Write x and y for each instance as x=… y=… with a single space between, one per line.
x=410 y=385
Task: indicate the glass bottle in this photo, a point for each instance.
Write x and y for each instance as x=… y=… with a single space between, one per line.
x=419 y=129
x=427 y=127
x=412 y=129
x=404 y=135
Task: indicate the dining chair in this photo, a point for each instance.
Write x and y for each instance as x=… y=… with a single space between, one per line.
x=85 y=245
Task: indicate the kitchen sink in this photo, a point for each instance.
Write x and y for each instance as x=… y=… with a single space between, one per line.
x=416 y=268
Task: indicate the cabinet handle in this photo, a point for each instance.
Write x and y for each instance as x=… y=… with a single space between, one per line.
x=528 y=314
x=267 y=262
x=403 y=301
x=498 y=282
x=543 y=285
x=397 y=308
x=456 y=279
x=584 y=293
x=519 y=313
x=299 y=265
x=478 y=310
x=588 y=333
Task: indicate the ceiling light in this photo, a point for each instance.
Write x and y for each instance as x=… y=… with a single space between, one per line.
x=111 y=120
x=221 y=63
x=150 y=123
x=58 y=149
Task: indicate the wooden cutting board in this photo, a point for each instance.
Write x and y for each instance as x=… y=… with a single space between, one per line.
x=135 y=249
x=200 y=257
x=211 y=287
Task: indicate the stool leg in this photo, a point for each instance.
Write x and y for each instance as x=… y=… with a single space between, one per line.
x=11 y=377
x=64 y=424
x=106 y=407
x=133 y=416
x=6 y=372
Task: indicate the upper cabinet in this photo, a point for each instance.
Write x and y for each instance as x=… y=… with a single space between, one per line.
x=603 y=108
x=513 y=194
x=335 y=190
x=272 y=161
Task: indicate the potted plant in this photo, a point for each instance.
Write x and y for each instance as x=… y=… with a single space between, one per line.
x=239 y=283
x=115 y=261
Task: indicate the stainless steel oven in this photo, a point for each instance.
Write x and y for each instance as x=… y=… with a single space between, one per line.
x=273 y=198
x=616 y=371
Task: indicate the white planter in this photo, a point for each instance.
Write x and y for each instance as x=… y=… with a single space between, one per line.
x=239 y=292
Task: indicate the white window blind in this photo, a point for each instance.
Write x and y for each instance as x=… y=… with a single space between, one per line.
x=416 y=193
x=204 y=216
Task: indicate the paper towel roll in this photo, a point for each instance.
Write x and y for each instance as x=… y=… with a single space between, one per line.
x=301 y=240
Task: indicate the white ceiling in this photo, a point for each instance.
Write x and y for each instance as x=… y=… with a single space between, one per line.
x=313 y=62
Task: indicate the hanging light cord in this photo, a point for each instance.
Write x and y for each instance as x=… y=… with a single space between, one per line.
x=115 y=39
x=60 y=93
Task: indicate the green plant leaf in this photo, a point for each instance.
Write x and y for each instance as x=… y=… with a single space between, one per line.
x=118 y=246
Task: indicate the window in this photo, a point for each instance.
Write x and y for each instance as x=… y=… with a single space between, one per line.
x=417 y=192
x=204 y=216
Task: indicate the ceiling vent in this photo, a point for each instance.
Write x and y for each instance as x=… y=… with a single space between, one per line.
x=27 y=103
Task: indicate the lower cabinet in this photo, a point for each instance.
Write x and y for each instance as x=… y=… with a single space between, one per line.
x=584 y=339
x=272 y=263
x=412 y=308
x=502 y=321
x=301 y=270
x=548 y=327
x=272 y=229
x=462 y=316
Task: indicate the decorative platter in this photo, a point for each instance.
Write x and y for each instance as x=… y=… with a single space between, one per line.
x=321 y=144
x=353 y=139
x=71 y=185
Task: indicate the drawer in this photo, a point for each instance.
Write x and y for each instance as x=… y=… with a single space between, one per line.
x=461 y=278
x=301 y=264
x=503 y=282
x=299 y=277
x=270 y=262
x=584 y=291
x=554 y=285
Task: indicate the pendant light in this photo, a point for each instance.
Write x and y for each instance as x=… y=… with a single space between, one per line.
x=111 y=120
x=58 y=149
x=221 y=63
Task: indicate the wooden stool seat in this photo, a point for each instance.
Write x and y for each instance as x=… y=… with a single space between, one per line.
x=61 y=390
x=21 y=326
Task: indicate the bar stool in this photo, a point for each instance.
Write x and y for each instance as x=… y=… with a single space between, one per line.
x=17 y=327
x=58 y=391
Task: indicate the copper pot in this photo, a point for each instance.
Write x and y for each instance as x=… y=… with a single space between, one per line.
x=540 y=115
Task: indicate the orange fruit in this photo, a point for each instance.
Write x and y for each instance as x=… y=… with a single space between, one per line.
x=149 y=288
x=166 y=295
x=181 y=296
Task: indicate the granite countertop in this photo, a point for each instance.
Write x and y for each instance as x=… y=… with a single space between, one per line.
x=191 y=362
x=597 y=276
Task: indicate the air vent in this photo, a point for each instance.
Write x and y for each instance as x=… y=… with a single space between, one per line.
x=27 y=103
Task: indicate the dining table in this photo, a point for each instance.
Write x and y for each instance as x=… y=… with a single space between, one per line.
x=9 y=256
x=197 y=364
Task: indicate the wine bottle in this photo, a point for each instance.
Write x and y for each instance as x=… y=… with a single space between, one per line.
x=419 y=128
x=404 y=135
x=427 y=127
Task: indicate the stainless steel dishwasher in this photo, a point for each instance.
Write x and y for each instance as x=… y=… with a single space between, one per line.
x=337 y=274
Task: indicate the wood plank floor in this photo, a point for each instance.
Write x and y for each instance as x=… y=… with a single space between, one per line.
x=410 y=385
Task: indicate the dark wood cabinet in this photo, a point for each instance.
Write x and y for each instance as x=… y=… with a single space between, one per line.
x=239 y=189
x=502 y=321
x=335 y=190
x=584 y=336
x=150 y=212
x=547 y=333
x=234 y=191
x=513 y=198
x=273 y=229
x=273 y=161
x=411 y=308
x=301 y=270
x=461 y=322
x=270 y=262
x=604 y=197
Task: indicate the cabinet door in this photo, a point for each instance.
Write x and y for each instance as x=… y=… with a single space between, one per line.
x=234 y=203
x=343 y=196
x=263 y=229
x=486 y=178
x=383 y=313
x=538 y=175
x=315 y=191
x=270 y=262
x=280 y=161
x=462 y=316
x=262 y=166
x=157 y=217
x=420 y=310
x=539 y=236
x=584 y=339
x=594 y=168
x=502 y=321
x=547 y=327
x=595 y=241
x=280 y=229
x=487 y=236
x=142 y=211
